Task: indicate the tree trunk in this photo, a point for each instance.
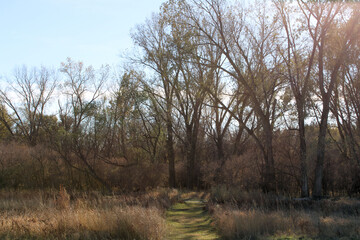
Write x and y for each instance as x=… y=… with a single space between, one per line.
x=319 y=170
x=170 y=153
x=220 y=158
x=269 y=184
x=192 y=167
x=303 y=155
x=320 y=155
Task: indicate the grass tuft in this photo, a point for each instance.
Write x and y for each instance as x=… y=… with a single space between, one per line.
x=63 y=199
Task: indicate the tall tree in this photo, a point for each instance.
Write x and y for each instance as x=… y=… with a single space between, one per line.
x=154 y=41
x=248 y=45
x=299 y=58
x=78 y=144
x=218 y=119
x=189 y=91
x=345 y=106
x=337 y=34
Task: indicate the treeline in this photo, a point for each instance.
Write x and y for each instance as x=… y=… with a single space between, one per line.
x=263 y=96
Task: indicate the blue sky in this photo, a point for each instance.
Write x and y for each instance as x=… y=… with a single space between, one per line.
x=46 y=32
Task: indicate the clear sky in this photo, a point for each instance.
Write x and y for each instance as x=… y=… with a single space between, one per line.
x=46 y=32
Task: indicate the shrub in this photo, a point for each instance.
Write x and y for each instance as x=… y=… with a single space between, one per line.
x=62 y=199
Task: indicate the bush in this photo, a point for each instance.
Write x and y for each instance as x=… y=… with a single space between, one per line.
x=63 y=199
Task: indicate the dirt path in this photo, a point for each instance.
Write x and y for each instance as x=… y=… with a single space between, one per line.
x=189 y=220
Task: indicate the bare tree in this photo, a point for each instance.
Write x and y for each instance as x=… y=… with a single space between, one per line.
x=299 y=59
x=330 y=21
x=79 y=145
x=27 y=98
x=153 y=39
x=345 y=106
x=247 y=44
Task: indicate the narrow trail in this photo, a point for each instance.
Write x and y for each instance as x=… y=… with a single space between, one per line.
x=190 y=220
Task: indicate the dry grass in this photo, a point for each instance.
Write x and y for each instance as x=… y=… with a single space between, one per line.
x=62 y=199
x=52 y=215
x=116 y=223
x=242 y=215
x=249 y=200
x=250 y=224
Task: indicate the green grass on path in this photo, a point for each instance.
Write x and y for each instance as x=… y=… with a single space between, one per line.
x=189 y=220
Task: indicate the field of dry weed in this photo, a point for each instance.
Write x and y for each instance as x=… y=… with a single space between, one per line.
x=254 y=215
x=60 y=215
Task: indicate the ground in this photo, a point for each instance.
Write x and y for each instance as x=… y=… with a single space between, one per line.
x=190 y=220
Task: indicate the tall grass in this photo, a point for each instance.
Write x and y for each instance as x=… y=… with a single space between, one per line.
x=253 y=215
x=115 y=223
x=250 y=224
x=86 y=216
